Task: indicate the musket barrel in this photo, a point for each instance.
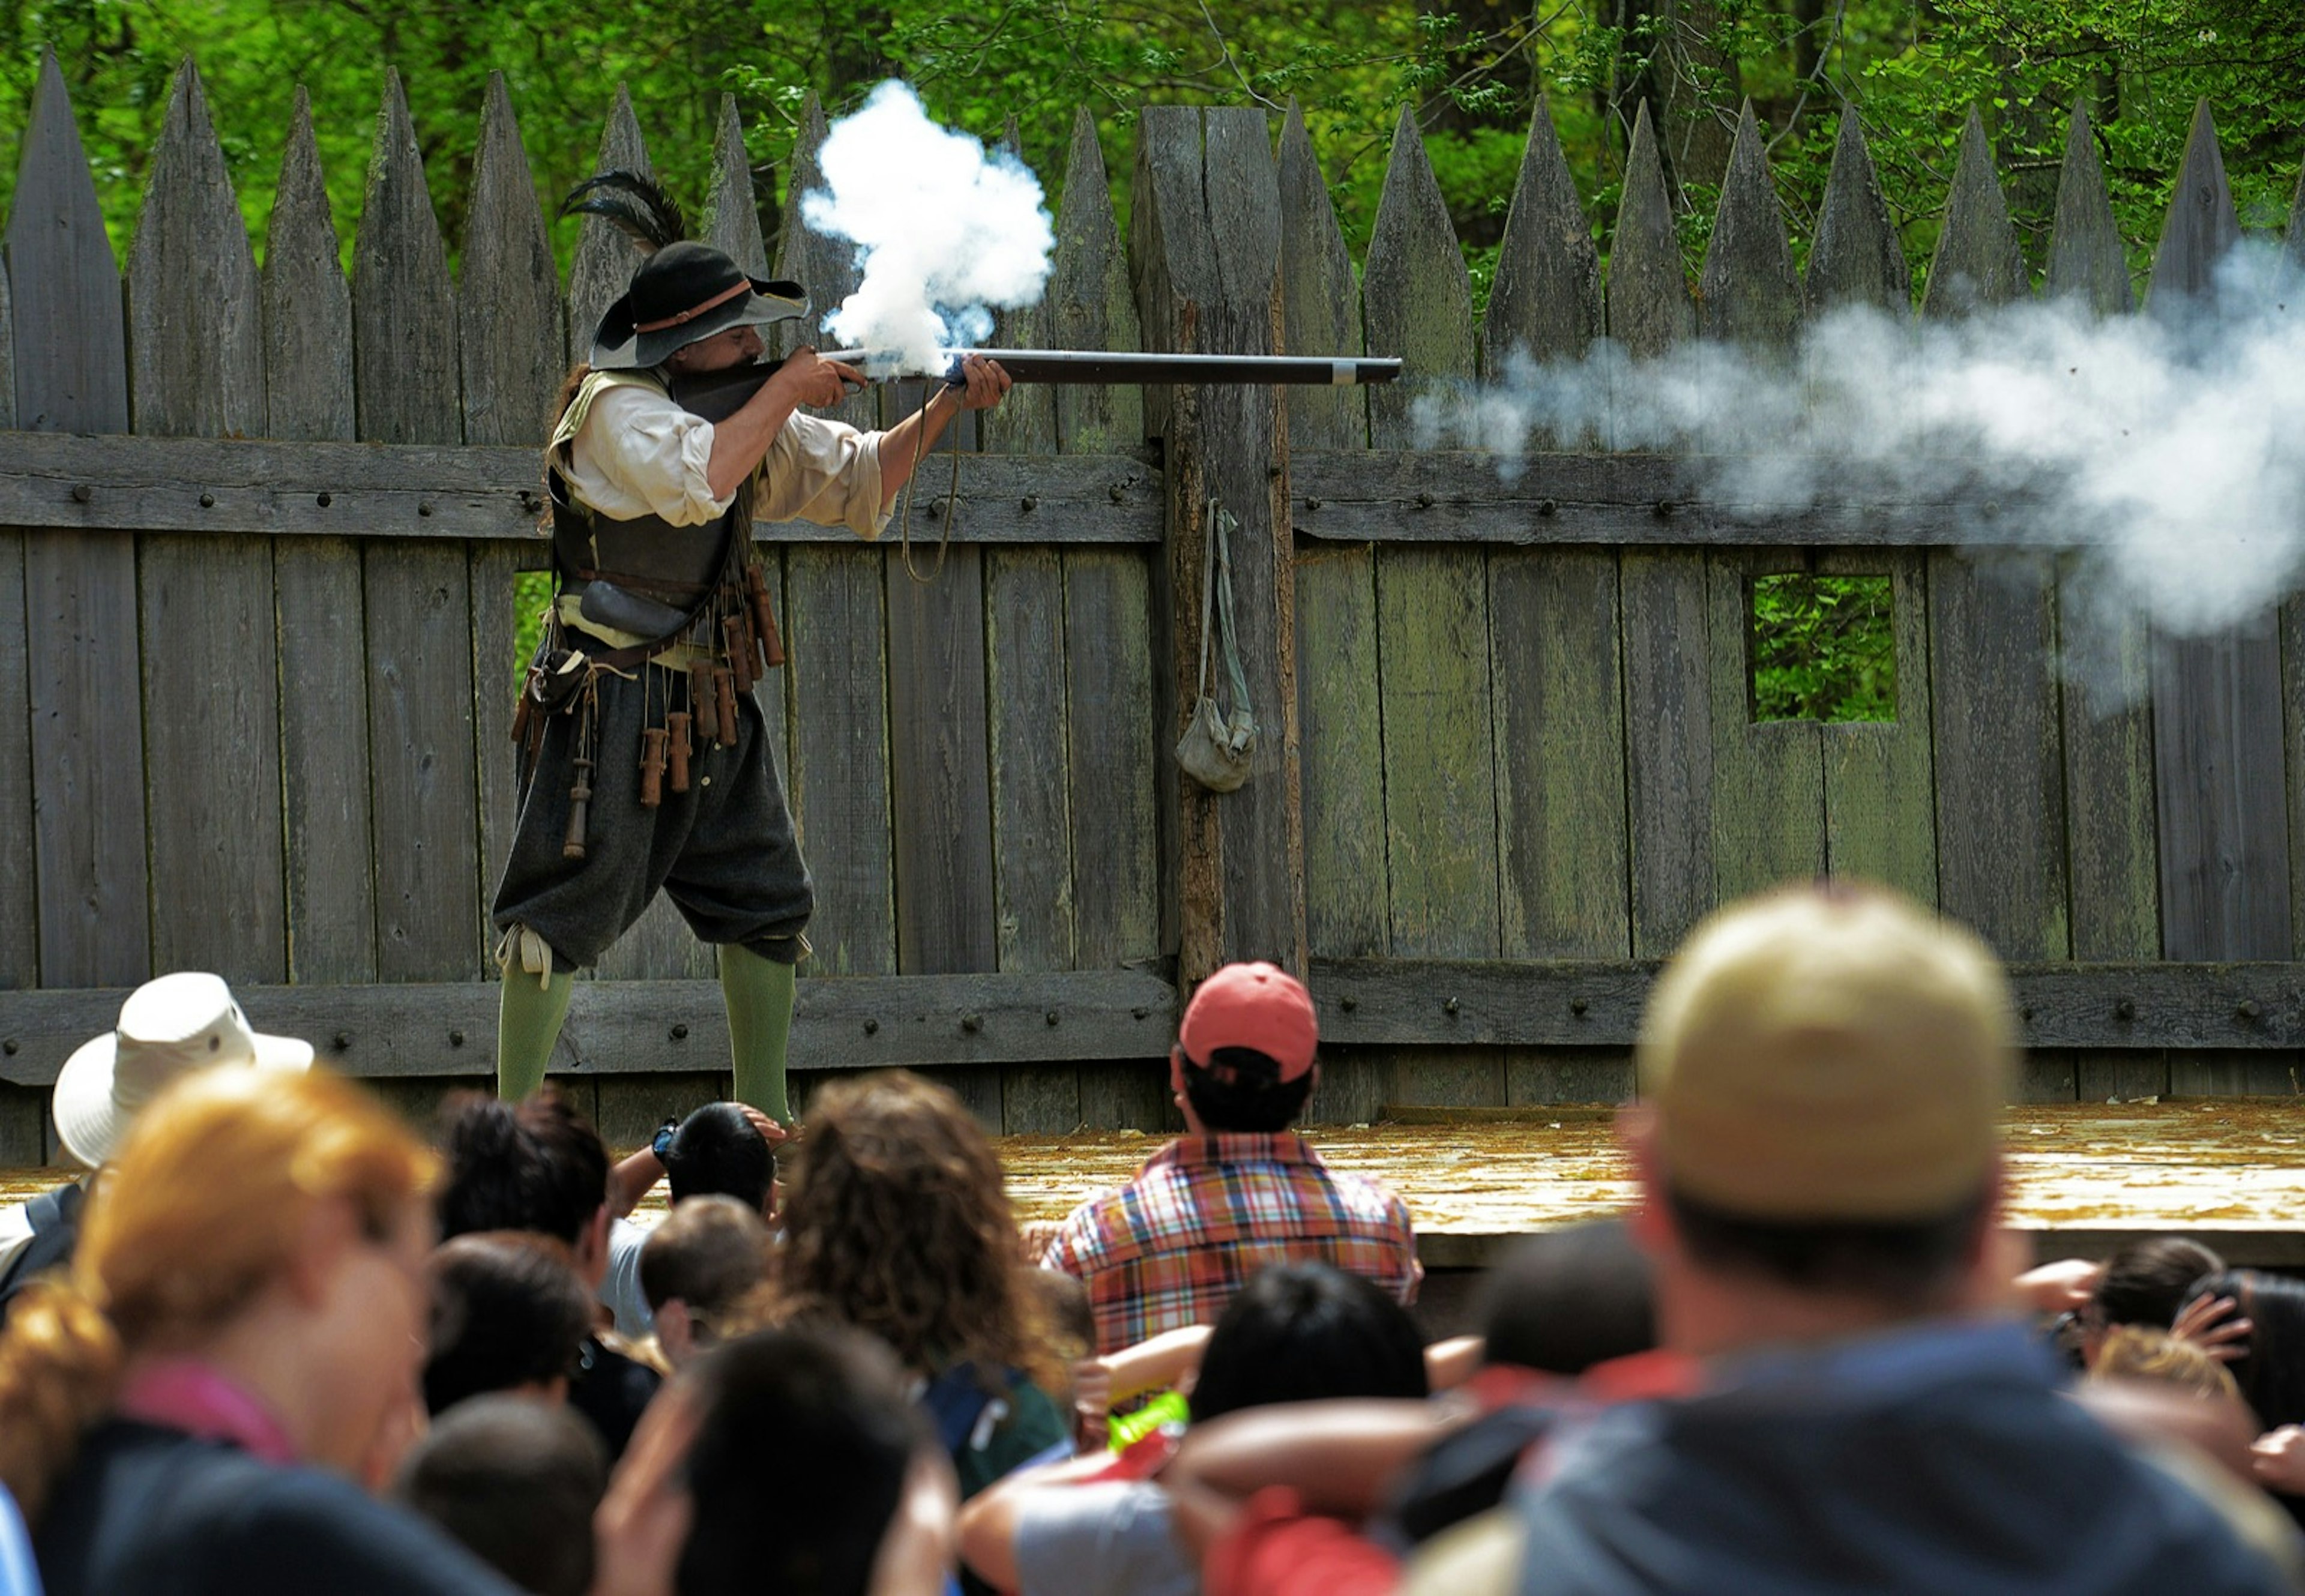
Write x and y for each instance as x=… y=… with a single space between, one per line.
x=1108 y=366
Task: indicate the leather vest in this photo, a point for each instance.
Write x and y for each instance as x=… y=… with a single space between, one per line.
x=645 y=554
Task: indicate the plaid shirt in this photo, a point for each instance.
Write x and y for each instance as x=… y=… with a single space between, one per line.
x=1171 y=1247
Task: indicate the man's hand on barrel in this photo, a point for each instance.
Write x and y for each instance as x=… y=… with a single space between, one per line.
x=982 y=383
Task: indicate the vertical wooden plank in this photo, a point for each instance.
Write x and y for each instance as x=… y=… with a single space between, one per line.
x=1438 y=760
x=1663 y=599
x=2111 y=850
x=2001 y=805
x=2219 y=739
x=834 y=645
x=1855 y=258
x=425 y=798
x=1558 y=688
x=2087 y=258
x=1669 y=739
x=1345 y=911
x=308 y=368
x=1025 y=697
x=19 y=939
x=1432 y=640
x=79 y=588
x=23 y=1112
x=509 y=343
x=1880 y=778
x=1978 y=262
x=940 y=786
x=1208 y=279
x=211 y=676
x=1113 y=776
x=1032 y=825
x=1768 y=779
x=1649 y=308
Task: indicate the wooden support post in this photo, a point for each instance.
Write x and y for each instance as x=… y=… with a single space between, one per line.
x=1208 y=255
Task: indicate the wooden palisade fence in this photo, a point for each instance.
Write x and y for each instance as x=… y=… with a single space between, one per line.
x=262 y=525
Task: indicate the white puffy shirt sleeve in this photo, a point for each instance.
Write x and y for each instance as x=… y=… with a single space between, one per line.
x=639 y=454
x=824 y=471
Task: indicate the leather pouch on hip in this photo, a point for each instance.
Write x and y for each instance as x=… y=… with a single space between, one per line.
x=553 y=678
x=605 y=604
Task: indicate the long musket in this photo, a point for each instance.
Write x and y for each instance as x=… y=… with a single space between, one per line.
x=717 y=394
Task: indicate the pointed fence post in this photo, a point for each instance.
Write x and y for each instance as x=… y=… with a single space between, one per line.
x=1855 y=258
x=2218 y=731
x=19 y=939
x=1109 y=668
x=419 y=599
x=2112 y=854
x=80 y=587
x=211 y=678
x=308 y=353
x=605 y=258
x=1993 y=639
x=2088 y=259
x=1207 y=253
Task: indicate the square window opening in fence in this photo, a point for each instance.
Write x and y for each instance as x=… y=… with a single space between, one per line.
x=1824 y=648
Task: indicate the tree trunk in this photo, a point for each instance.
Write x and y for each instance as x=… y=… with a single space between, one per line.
x=1673 y=59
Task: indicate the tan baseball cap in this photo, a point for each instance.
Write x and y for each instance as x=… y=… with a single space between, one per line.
x=1828 y=1053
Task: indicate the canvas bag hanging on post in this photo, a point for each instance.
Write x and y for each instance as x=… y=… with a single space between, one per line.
x=1218 y=747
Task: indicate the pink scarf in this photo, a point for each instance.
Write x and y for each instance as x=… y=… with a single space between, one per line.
x=202 y=1400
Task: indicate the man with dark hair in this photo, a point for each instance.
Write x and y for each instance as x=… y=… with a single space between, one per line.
x=808 y=1455
x=516 y=1481
x=696 y=1266
x=1240 y=1191
x=539 y=1167
x=508 y=1314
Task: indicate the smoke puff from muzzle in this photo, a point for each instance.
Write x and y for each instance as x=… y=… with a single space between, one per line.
x=945 y=232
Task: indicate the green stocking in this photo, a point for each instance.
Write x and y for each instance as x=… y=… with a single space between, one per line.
x=759 y=997
x=529 y=1014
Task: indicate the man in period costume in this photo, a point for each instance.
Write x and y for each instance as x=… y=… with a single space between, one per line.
x=645 y=760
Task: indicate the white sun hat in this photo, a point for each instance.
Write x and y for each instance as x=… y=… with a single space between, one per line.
x=168 y=1028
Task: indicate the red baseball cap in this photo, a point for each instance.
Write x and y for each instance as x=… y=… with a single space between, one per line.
x=1257 y=1005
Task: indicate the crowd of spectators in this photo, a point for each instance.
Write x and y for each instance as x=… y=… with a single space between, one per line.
x=275 y=1340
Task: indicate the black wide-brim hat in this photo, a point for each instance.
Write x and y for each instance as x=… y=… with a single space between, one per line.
x=683 y=293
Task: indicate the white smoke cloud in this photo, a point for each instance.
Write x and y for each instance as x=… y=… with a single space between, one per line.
x=2168 y=448
x=944 y=231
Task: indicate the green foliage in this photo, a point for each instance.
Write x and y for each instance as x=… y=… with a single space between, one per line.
x=1824 y=648
x=1911 y=71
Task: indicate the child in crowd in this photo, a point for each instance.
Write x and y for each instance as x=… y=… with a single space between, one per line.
x=516 y=1481
x=709 y=1253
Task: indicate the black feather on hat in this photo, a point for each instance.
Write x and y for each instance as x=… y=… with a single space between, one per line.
x=685 y=291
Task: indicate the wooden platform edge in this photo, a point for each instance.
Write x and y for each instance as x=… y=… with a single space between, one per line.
x=641 y=1027
x=2251 y=1246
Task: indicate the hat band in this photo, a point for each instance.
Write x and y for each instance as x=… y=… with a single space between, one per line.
x=692 y=314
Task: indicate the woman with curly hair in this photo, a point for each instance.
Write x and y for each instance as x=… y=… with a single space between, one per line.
x=897 y=1222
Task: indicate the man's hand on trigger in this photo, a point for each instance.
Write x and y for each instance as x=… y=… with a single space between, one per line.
x=982 y=383
x=814 y=381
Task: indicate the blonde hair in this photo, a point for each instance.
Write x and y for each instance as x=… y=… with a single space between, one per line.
x=203 y=1206
x=2137 y=1351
